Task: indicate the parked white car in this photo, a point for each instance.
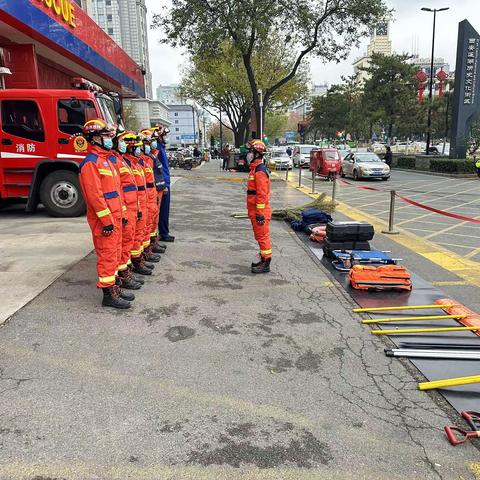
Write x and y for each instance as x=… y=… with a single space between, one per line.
x=301 y=155
x=279 y=160
x=364 y=165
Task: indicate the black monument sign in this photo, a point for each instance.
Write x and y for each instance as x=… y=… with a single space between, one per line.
x=466 y=103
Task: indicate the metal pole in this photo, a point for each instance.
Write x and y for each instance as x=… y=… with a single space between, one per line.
x=430 y=91
x=260 y=94
x=390 y=230
x=299 y=176
x=334 y=189
x=313 y=181
x=286 y=174
x=454 y=354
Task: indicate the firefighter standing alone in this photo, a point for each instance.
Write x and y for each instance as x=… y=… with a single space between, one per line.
x=258 y=205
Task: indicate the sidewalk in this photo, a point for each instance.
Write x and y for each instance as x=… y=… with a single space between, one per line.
x=215 y=374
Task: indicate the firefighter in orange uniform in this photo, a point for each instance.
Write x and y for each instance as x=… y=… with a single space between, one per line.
x=258 y=205
x=129 y=194
x=152 y=197
x=133 y=157
x=100 y=185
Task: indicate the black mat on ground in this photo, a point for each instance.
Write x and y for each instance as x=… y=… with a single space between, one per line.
x=466 y=397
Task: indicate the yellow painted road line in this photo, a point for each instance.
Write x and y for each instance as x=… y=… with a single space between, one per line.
x=473 y=253
x=466 y=269
x=455 y=245
x=451 y=227
x=450 y=283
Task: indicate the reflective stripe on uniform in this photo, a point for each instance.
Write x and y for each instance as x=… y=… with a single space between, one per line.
x=153 y=234
x=135 y=252
x=103 y=213
x=251 y=177
x=149 y=170
x=129 y=261
x=124 y=208
x=135 y=171
x=124 y=170
x=146 y=244
x=266 y=252
x=107 y=279
x=103 y=171
x=260 y=206
x=123 y=267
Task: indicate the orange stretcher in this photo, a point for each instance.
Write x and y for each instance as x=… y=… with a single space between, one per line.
x=466 y=316
x=382 y=277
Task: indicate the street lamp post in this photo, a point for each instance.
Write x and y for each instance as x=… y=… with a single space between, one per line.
x=260 y=94
x=432 y=73
x=221 y=130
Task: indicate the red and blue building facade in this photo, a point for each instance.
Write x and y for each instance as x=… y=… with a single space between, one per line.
x=46 y=43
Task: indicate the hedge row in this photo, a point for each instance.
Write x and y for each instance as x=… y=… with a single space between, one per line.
x=452 y=166
x=440 y=165
x=406 y=162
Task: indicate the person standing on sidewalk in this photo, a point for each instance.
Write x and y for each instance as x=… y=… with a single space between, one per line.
x=388 y=156
x=258 y=205
x=100 y=185
x=164 y=220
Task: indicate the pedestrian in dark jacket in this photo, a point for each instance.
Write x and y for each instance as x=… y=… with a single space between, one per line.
x=388 y=156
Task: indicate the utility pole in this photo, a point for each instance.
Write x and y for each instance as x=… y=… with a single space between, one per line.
x=432 y=73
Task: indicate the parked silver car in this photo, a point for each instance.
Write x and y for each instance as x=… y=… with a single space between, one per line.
x=364 y=165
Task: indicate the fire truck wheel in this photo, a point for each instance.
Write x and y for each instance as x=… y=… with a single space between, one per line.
x=61 y=195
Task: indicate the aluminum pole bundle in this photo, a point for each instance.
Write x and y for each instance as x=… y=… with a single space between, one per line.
x=439 y=354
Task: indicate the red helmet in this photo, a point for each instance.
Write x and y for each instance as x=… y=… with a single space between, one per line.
x=97 y=126
x=257 y=146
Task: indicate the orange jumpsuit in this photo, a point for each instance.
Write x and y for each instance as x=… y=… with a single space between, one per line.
x=152 y=199
x=100 y=185
x=140 y=227
x=130 y=200
x=258 y=203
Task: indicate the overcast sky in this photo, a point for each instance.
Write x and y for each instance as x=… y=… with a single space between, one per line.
x=410 y=25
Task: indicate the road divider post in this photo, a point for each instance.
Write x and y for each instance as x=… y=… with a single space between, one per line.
x=299 y=176
x=314 y=174
x=286 y=173
x=334 y=189
x=391 y=230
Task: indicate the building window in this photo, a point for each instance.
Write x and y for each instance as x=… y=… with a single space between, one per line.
x=110 y=31
x=176 y=121
x=109 y=17
x=176 y=114
x=21 y=118
x=108 y=2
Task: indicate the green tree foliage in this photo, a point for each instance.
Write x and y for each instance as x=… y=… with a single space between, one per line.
x=217 y=79
x=323 y=28
x=390 y=93
x=473 y=139
x=130 y=117
x=276 y=124
x=214 y=132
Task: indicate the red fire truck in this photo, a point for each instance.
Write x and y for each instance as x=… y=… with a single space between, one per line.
x=41 y=144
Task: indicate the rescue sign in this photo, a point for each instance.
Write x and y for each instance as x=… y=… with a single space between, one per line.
x=62 y=8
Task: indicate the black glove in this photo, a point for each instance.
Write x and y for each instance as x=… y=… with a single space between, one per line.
x=107 y=230
x=139 y=215
x=260 y=219
x=124 y=221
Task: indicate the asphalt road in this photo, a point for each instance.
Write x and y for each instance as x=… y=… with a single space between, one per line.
x=215 y=374
x=460 y=196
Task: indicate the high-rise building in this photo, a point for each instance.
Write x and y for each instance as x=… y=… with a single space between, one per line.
x=169 y=95
x=379 y=43
x=126 y=22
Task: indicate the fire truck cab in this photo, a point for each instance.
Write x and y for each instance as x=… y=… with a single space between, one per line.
x=41 y=144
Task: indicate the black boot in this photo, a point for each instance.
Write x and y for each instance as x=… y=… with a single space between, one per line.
x=127 y=281
x=256 y=264
x=112 y=298
x=167 y=238
x=263 y=267
x=152 y=257
x=138 y=279
x=157 y=248
x=149 y=265
x=126 y=295
x=140 y=268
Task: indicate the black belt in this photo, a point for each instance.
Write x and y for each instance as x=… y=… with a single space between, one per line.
x=251 y=192
x=150 y=185
x=141 y=188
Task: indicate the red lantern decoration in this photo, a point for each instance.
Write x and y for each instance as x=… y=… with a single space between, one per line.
x=441 y=76
x=422 y=77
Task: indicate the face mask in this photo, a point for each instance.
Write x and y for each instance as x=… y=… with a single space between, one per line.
x=107 y=143
x=137 y=152
x=154 y=145
x=147 y=149
x=122 y=147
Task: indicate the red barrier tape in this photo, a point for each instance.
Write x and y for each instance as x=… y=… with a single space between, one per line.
x=416 y=204
x=362 y=187
x=436 y=210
